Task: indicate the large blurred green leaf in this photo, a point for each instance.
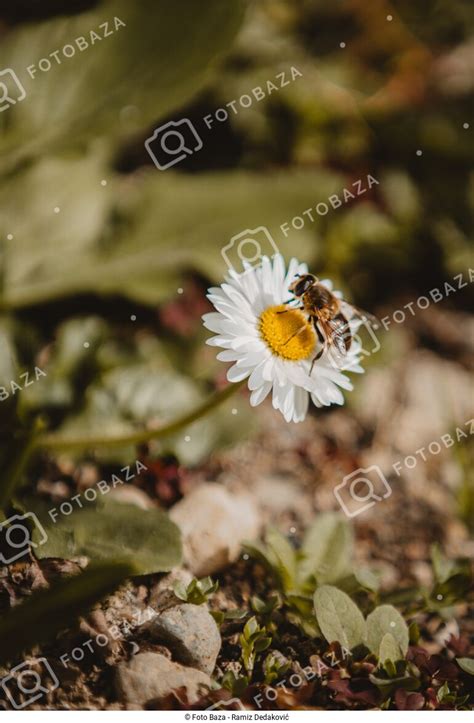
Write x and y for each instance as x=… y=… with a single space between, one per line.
x=121 y=83
x=98 y=385
x=56 y=212
x=113 y=531
x=164 y=224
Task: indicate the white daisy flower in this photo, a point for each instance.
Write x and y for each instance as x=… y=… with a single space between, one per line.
x=263 y=343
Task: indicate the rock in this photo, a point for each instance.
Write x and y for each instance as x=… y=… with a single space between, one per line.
x=131 y=495
x=191 y=633
x=423 y=417
x=213 y=522
x=148 y=676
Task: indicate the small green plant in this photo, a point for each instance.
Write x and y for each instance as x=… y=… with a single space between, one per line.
x=253 y=640
x=266 y=611
x=325 y=557
x=274 y=667
x=384 y=632
x=197 y=591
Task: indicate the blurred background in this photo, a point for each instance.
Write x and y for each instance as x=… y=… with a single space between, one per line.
x=105 y=259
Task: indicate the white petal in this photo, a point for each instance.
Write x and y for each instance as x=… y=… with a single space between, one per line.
x=230 y=355
x=249 y=343
x=291 y=273
x=268 y=372
x=213 y=321
x=223 y=341
x=235 y=374
x=277 y=396
x=267 y=277
x=315 y=400
x=327 y=283
x=301 y=404
x=235 y=328
x=256 y=378
x=232 y=311
x=278 y=275
x=258 y=395
x=289 y=401
x=235 y=296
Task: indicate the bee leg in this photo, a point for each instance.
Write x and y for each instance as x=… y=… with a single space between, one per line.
x=321 y=351
x=302 y=328
x=315 y=359
x=288 y=301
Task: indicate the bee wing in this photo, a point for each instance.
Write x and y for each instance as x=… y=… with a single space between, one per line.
x=337 y=332
x=354 y=311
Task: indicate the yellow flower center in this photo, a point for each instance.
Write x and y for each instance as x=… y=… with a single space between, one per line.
x=288 y=335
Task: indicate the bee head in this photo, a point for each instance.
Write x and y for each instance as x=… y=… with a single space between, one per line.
x=301 y=284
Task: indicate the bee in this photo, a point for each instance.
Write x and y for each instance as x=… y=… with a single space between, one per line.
x=327 y=314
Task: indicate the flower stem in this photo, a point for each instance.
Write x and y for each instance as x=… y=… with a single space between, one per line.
x=53 y=440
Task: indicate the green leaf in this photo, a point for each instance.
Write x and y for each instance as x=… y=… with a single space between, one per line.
x=327 y=549
x=442 y=567
x=262 y=553
x=119 y=532
x=235 y=614
x=70 y=184
x=285 y=556
x=443 y=693
x=414 y=633
x=197 y=592
x=250 y=628
x=154 y=242
x=386 y=619
x=218 y=615
x=389 y=649
x=302 y=608
x=262 y=644
x=390 y=685
x=367 y=579
x=466 y=664
x=338 y=617
x=180 y=590
x=128 y=69
x=39 y=618
x=278 y=556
